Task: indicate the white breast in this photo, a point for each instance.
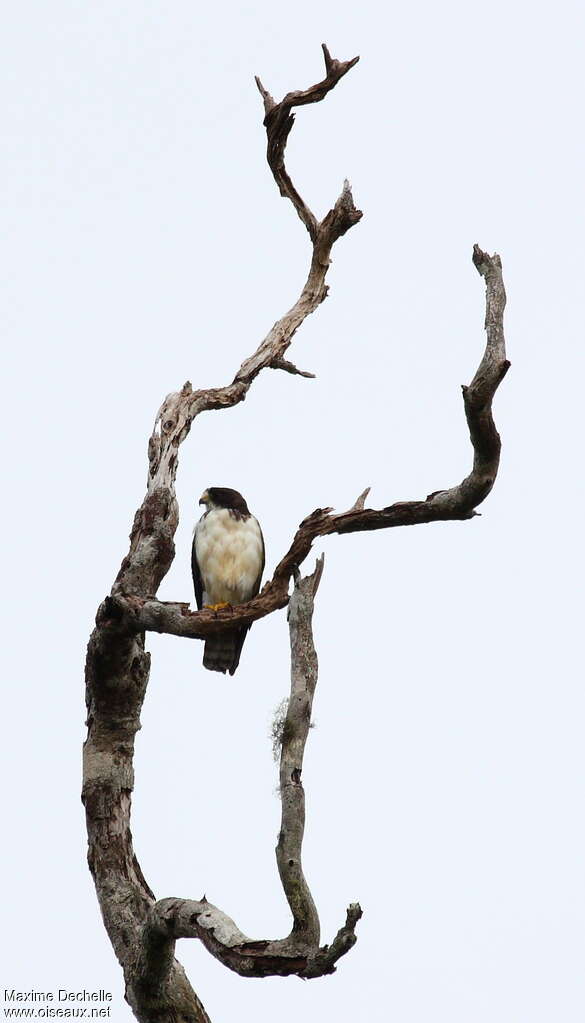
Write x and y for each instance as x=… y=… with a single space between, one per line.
x=229 y=553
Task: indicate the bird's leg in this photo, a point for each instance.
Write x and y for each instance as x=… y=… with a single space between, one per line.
x=217 y=607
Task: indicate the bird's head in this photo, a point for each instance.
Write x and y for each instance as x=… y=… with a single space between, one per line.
x=223 y=497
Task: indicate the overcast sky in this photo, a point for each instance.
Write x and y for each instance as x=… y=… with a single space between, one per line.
x=145 y=244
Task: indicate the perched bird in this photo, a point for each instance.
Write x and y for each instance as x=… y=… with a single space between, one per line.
x=227 y=560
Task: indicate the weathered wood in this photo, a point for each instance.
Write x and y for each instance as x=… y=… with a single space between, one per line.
x=456 y=504
x=142 y=931
x=299 y=953
x=304 y=670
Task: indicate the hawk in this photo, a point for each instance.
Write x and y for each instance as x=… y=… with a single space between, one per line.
x=227 y=561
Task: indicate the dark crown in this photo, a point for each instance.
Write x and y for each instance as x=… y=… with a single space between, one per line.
x=225 y=497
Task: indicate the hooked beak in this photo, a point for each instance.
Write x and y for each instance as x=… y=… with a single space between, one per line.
x=204 y=497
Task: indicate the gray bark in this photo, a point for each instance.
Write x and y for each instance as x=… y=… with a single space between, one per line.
x=304 y=669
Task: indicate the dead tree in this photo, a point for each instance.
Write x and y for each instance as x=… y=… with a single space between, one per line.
x=142 y=929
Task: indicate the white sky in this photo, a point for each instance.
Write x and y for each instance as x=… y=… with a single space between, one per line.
x=146 y=244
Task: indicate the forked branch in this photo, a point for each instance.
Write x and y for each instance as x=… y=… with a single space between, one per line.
x=143 y=931
x=457 y=503
x=279 y=121
x=151 y=541
x=299 y=953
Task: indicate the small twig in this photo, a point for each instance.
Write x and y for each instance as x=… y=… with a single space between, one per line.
x=329 y=62
x=269 y=102
x=289 y=367
x=325 y=959
x=359 y=504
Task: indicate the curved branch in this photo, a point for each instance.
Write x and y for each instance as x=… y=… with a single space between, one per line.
x=279 y=121
x=151 y=541
x=457 y=503
x=171 y=919
x=299 y=953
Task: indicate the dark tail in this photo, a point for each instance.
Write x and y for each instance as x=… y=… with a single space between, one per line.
x=222 y=652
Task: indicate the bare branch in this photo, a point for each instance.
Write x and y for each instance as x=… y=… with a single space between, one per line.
x=289 y=367
x=304 y=670
x=343 y=941
x=269 y=102
x=359 y=504
x=117 y=665
x=279 y=121
x=299 y=953
x=151 y=541
x=171 y=919
x=457 y=503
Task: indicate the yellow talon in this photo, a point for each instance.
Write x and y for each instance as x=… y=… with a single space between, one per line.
x=217 y=607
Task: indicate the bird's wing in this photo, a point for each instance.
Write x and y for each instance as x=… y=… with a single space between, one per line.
x=262 y=564
x=197 y=580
